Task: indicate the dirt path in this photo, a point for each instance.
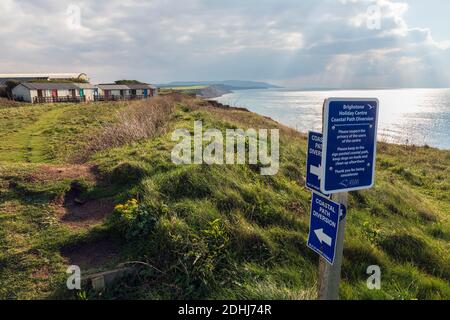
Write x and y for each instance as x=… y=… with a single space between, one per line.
x=28 y=144
x=73 y=210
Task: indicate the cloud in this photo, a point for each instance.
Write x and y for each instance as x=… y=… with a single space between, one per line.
x=311 y=43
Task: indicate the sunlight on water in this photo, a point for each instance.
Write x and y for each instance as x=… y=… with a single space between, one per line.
x=412 y=116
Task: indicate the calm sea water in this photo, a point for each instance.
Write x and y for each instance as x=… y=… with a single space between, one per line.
x=413 y=116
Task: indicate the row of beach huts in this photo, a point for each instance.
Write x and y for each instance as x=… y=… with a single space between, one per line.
x=45 y=88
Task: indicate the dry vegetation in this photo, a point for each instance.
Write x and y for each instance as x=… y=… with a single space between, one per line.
x=137 y=121
x=7 y=103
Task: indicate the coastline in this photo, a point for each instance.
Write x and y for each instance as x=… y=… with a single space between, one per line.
x=421 y=121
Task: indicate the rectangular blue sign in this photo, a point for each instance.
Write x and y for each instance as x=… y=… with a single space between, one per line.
x=323 y=226
x=349 y=144
x=314 y=161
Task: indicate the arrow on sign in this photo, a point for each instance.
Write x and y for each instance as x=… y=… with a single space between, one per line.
x=323 y=237
x=315 y=170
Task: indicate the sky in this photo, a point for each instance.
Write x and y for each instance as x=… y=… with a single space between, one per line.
x=309 y=43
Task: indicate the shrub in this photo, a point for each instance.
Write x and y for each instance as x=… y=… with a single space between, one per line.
x=138 y=121
x=134 y=220
x=372 y=232
x=196 y=259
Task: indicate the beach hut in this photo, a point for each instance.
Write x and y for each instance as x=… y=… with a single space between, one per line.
x=37 y=92
x=141 y=90
x=87 y=90
x=113 y=92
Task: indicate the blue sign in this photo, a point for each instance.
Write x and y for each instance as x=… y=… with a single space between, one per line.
x=314 y=161
x=349 y=144
x=323 y=226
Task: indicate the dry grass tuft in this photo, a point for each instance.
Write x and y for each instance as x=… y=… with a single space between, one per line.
x=138 y=121
x=6 y=103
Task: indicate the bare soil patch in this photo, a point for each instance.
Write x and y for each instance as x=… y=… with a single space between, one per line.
x=93 y=254
x=52 y=173
x=84 y=215
x=79 y=213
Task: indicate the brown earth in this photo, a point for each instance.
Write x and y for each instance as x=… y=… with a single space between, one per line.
x=92 y=255
x=82 y=213
x=52 y=173
x=85 y=214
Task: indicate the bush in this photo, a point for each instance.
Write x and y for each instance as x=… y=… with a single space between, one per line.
x=196 y=260
x=138 y=121
x=134 y=220
x=372 y=232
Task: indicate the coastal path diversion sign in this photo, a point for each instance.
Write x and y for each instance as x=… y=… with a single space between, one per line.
x=339 y=160
x=324 y=226
x=349 y=144
x=314 y=161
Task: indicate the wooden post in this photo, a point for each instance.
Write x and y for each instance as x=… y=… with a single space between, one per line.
x=330 y=275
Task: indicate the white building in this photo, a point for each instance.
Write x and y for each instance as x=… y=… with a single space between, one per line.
x=142 y=90
x=25 y=77
x=125 y=92
x=87 y=90
x=113 y=91
x=39 y=92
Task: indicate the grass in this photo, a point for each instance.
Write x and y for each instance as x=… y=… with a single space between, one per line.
x=216 y=232
x=49 y=133
x=183 y=88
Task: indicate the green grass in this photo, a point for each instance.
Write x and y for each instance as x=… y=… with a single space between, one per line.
x=48 y=133
x=217 y=232
x=183 y=88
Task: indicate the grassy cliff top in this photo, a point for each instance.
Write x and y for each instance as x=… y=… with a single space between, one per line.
x=93 y=185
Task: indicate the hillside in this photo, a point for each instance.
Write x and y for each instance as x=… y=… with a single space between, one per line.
x=206 y=92
x=94 y=185
x=212 y=89
x=231 y=84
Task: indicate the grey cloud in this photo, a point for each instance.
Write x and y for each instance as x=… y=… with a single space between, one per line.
x=287 y=41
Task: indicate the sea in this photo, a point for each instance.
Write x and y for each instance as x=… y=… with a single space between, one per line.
x=407 y=116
